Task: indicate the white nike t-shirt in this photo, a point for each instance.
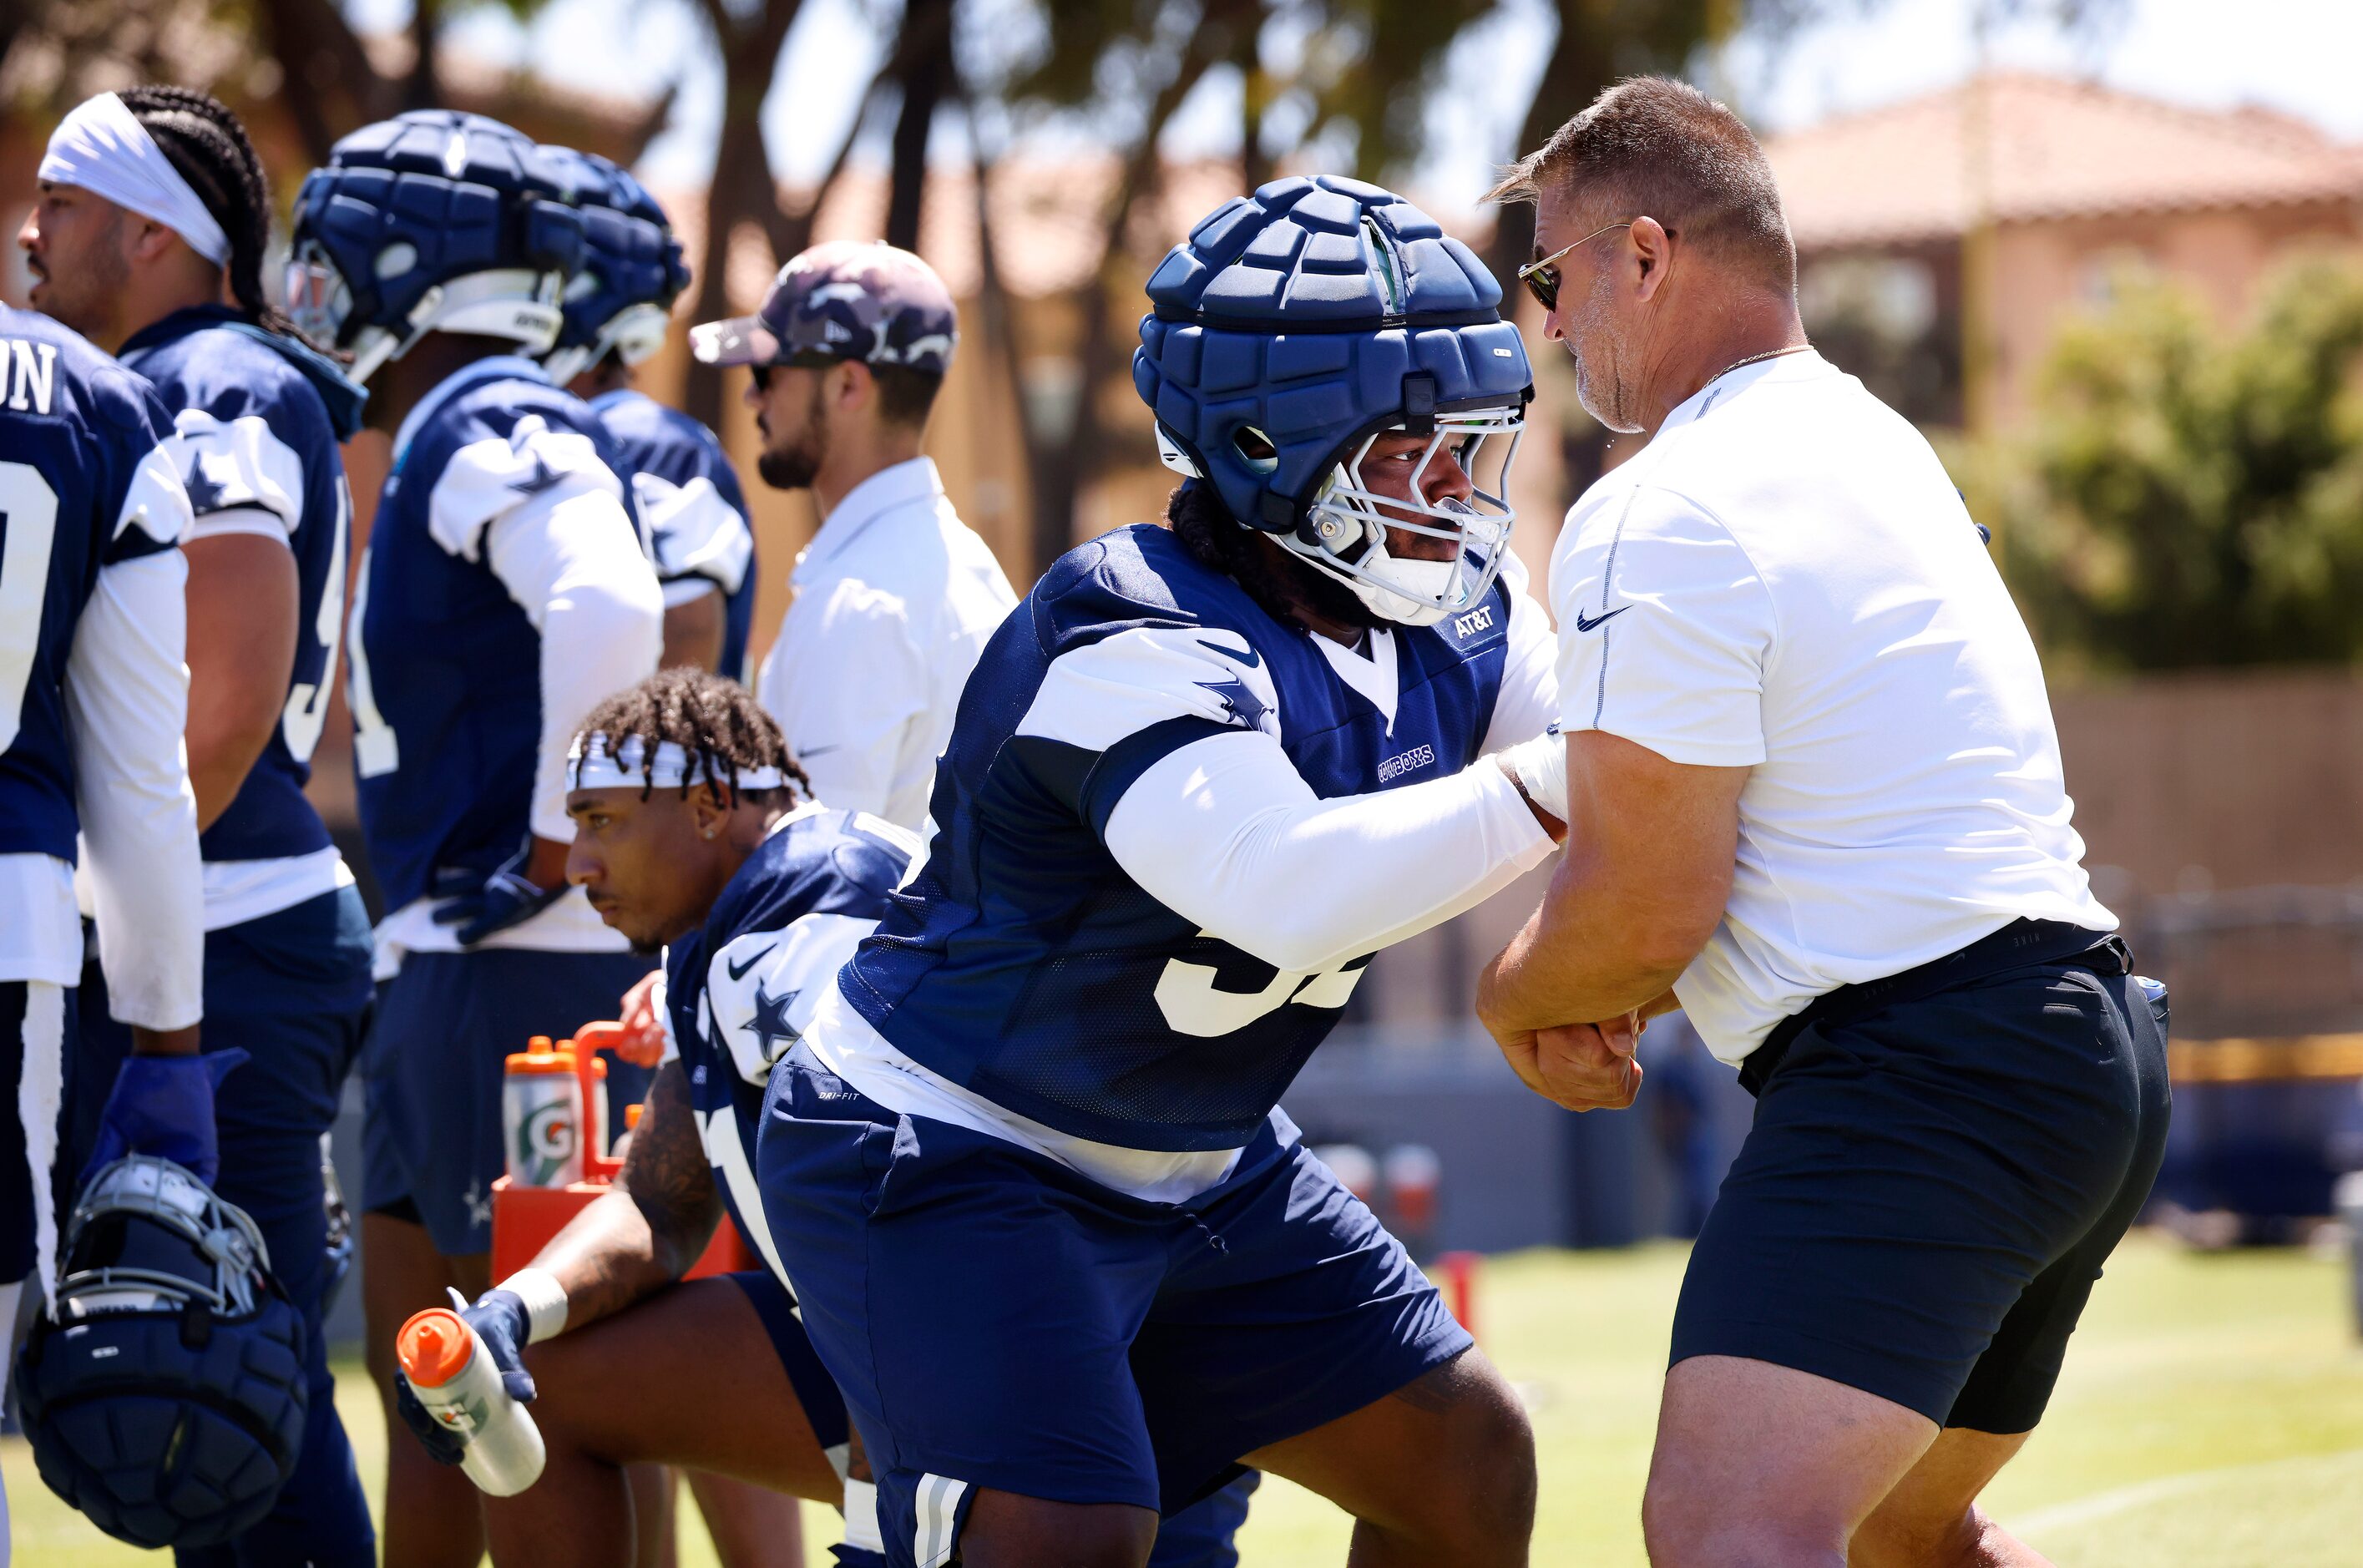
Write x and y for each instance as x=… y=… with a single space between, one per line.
x=1785 y=579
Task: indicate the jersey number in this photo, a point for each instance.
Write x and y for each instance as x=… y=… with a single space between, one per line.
x=307 y=702
x=375 y=750
x=28 y=523
x=1193 y=1005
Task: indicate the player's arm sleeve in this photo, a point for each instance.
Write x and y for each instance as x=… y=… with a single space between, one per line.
x=1528 y=702
x=127 y=692
x=1157 y=737
x=569 y=557
x=763 y=987
x=848 y=723
x=1665 y=631
x=701 y=541
x=240 y=477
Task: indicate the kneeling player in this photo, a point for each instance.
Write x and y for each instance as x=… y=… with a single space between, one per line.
x=695 y=828
x=1066 y=1259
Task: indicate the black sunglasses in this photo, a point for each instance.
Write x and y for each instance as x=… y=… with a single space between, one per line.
x=1541 y=278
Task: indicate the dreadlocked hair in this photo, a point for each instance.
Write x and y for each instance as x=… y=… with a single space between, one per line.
x=208 y=146
x=710 y=718
x=1275 y=579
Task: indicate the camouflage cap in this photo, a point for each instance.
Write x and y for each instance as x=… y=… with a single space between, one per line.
x=843 y=300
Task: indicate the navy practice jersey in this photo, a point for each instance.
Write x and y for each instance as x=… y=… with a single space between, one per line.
x=739 y=990
x=1023 y=963
x=251 y=431
x=85 y=483
x=691 y=508
x=446 y=679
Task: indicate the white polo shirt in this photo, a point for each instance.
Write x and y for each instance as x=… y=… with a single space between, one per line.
x=1785 y=579
x=895 y=600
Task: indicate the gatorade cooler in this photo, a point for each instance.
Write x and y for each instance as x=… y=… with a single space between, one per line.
x=525 y=1217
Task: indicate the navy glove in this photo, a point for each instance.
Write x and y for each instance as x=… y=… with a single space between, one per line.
x=165 y=1105
x=499 y=1319
x=481 y=906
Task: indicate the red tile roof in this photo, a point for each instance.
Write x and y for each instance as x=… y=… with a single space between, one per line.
x=2054 y=149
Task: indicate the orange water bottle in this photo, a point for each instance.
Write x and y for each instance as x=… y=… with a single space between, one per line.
x=454 y=1376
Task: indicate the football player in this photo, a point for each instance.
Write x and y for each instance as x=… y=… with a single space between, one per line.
x=696 y=829
x=504 y=593
x=1067 y=1263
x=93 y=702
x=257 y=420
x=690 y=503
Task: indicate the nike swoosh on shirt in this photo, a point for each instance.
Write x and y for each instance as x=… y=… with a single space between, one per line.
x=738 y=971
x=1584 y=624
x=804 y=752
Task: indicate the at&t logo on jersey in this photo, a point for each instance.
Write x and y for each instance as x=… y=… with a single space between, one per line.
x=1476 y=620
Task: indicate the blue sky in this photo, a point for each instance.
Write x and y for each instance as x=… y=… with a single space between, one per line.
x=2294 y=55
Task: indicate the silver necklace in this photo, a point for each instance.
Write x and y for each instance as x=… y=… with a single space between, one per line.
x=1755 y=359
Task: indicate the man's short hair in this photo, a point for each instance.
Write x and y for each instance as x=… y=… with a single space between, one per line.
x=1654 y=147
x=905 y=395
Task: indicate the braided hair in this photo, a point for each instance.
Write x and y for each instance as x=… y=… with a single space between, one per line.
x=208 y=146
x=712 y=719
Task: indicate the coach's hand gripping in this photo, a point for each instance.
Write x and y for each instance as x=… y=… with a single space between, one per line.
x=463 y=1389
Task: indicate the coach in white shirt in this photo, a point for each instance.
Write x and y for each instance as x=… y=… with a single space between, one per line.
x=1815 y=800
x=895 y=596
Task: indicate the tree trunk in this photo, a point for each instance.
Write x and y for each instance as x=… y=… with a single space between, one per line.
x=923 y=67
x=325 y=77
x=423 y=88
x=1582 y=63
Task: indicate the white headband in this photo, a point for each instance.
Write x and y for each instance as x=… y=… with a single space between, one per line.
x=105 y=150
x=591 y=764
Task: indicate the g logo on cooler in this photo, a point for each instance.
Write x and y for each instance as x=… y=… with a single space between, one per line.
x=546 y=1140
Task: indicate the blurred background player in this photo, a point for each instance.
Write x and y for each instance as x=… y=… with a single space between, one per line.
x=504 y=593
x=895 y=596
x=256 y=421
x=1197 y=778
x=93 y=702
x=691 y=506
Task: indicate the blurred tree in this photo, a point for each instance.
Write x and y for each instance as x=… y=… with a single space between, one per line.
x=2188 y=498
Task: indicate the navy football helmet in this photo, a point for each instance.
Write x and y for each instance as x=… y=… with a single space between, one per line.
x=164 y=1391
x=632 y=269
x=1295 y=326
x=433 y=221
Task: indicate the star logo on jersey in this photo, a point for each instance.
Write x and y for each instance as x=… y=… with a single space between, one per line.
x=1241 y=704
x=770 y=1020
x=542 y=477
x=478 y=1202
x=205 y=492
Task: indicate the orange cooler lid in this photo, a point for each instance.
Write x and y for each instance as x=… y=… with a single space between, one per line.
x=528 y=1061
x=434 y=1347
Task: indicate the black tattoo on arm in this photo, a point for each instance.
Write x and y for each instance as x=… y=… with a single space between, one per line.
x=646 y=1231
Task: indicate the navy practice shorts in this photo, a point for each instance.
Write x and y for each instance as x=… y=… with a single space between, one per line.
x=997 y=1319
x=446 y=1025
x=1929 y=1191
x=293 y=988
x=33 y=1029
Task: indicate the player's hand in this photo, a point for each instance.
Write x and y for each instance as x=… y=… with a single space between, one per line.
x=443 y=1445
x=517 y=890
x=1583 y=1067
x=642 y=1043
x=165 y=1105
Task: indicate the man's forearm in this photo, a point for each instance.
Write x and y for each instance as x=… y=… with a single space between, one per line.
x=607 y=1258
x=1581 y=957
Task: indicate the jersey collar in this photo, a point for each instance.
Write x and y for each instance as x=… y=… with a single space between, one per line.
x=179 y=324
x=499 y=367
x=1804 y=366
x=900 y=485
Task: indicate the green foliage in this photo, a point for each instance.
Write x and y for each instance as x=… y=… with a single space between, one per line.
x=2188 y=498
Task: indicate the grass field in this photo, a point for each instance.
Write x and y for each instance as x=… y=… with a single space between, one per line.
x=2210 y=1416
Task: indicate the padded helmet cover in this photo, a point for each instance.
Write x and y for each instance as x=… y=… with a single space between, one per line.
x=629 y=254
x=1313 y=312
x=164 y=1393
x=409 y=203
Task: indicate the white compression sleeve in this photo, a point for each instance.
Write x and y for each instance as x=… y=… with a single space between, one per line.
x=575 y=566
x=1225 y=832
x=127 y=704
